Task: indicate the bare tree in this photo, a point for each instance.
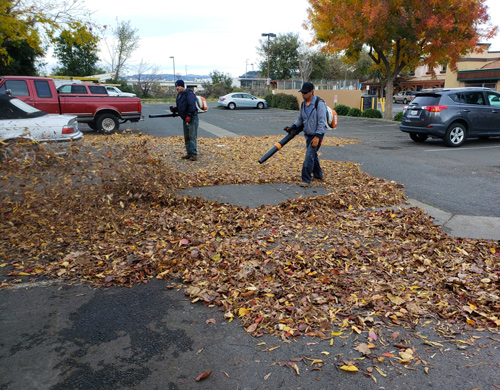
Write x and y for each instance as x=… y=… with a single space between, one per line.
x=125 y=42
x=305 y=63
x=147 y=78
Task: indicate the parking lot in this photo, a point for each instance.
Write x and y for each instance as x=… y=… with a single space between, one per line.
x=463 y=180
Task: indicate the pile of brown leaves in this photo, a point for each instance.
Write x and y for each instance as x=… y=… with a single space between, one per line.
x=108 y=213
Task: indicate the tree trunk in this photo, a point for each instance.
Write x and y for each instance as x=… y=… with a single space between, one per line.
x=389 y=90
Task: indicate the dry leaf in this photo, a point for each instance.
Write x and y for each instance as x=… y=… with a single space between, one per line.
x=203 y=375
x=349 y=368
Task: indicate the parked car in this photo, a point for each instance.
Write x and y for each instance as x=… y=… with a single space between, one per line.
x=82 y=89
x=404 y=97
x=20 y=121
x=241 y=100
x=113 y=91
x=453 y=114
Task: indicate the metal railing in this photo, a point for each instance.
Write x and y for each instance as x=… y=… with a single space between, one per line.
x=348 y=84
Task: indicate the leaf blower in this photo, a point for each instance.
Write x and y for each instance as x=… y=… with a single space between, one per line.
x=293 y=131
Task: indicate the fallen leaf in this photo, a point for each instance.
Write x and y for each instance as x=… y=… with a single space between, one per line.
x=203 y=375
x=349 y=368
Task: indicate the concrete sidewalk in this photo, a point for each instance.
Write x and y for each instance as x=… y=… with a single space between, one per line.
x=253 y=196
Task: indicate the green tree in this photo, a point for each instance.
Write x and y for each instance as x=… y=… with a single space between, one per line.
x=400 y=34
x=34 y=24
x=220 y=85
x=24 y=59
x=77 y=52
x=283 y=54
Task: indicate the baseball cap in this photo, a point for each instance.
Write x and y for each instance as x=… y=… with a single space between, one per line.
x=307 y=87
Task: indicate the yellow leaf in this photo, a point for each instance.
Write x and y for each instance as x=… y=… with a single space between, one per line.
x=317 y=361
x=356 y=329
x=493 y=250
x=349 y=368
x=380 y=371
x=23 y=274
x=243 y=312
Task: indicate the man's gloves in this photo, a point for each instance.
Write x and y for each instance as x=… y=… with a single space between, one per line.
x=172 y=109
x=315 y=142
x=188 y=119
x=291 y=128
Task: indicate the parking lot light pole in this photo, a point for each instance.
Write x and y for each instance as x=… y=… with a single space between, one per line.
x=173 y=62
x=268 y=35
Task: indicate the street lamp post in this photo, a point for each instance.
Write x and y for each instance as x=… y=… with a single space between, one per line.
x=173 y=62
x=268 y=35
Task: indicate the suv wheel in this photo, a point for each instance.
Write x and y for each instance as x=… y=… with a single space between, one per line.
x=455 y=135
x=418 y=137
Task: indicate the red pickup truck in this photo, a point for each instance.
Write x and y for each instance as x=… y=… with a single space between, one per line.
x=99 y=110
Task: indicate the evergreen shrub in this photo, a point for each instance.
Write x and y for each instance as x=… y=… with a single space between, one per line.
x=371 y=113
x=354 y=112
x=342 y=109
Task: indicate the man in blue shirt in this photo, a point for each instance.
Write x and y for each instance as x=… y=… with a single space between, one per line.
x=312 y=118
x=186 y=109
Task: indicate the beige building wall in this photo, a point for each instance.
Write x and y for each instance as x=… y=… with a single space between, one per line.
x=347 y=97
x=473 y=61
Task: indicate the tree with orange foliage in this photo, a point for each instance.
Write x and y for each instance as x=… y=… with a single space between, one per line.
x=400 y=34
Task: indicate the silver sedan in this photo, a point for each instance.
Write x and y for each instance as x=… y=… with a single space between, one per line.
x=241 y=100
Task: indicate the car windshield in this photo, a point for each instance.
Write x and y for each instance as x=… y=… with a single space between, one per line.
x=17 y=109
x=426 y=100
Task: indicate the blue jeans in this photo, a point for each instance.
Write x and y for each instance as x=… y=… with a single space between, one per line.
x=311 y=162
x=191 y=136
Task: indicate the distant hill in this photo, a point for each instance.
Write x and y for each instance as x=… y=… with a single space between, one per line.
x=169 y=76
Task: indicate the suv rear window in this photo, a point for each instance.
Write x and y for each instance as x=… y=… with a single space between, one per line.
x=426 y=100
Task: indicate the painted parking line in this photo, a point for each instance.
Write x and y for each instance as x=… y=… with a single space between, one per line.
x=462 y=148
x=216 y=130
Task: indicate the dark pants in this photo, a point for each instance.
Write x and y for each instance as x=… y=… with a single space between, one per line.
x=311 y=162
x=191 y=136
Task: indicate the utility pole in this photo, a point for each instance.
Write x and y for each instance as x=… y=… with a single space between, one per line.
x=268 y=35
x=173 y=61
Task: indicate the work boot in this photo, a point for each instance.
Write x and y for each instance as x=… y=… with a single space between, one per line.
x=186 y=157
x=193 y=157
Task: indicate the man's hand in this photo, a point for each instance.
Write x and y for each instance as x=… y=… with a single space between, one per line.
x=172 y=109
x=290 y=129
x=315 y=142
x=188 y=119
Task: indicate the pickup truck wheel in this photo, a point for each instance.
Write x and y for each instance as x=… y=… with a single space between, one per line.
x=108 y=123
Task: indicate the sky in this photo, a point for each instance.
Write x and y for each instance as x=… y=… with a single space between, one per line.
x=204 y=36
